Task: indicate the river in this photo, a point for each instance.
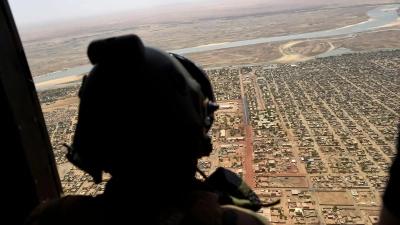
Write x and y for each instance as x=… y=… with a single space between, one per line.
x=379 y=17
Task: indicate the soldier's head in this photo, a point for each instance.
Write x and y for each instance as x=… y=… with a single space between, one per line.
x=141 y=110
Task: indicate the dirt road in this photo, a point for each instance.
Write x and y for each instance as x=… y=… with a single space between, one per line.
x=249 y=175
x=248 y=157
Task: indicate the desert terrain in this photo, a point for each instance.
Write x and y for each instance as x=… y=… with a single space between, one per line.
x=296 y=51
x=52 y=47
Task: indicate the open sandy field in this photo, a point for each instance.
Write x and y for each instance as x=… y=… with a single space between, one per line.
x=333 y=198
x=311 y=48
x=295 y=51
x=372 y=40
x=53 y=47
x=61 y=80
x=294 y=182
x=60 y=103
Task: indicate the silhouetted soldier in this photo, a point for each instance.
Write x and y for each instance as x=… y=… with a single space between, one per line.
x=144 y=115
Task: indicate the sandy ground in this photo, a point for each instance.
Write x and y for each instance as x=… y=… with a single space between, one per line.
x=333 y=198
x=396 y=23
x=63 y=169
x=65 y=46
x=60 y=80
x=389 y=9
x=284 y=52
x=61 y=103
x=54 y=51
x=372 y=40
x=292 y=58
x=289 y=55
x=314 y=47
x=369 y=20
x=212 y=44
x=299 y=51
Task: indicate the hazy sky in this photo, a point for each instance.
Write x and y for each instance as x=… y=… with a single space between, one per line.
x=30 y=12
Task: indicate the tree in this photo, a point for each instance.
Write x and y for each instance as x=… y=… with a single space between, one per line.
x=335 y=208
x=364 y=167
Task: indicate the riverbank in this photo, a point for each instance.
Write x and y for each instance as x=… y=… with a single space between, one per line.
x=240 y=52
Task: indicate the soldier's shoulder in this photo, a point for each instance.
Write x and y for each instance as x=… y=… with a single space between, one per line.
x=70 y=207
x=234 y=215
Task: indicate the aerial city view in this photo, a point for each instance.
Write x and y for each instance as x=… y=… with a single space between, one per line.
x=309 y=96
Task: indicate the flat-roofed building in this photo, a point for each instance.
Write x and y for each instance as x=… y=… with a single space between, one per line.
x=225 y=107
x=222 y=133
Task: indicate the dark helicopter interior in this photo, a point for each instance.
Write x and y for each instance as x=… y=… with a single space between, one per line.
x=25 y=142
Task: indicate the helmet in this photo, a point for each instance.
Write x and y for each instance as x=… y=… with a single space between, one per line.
x=138 y=95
